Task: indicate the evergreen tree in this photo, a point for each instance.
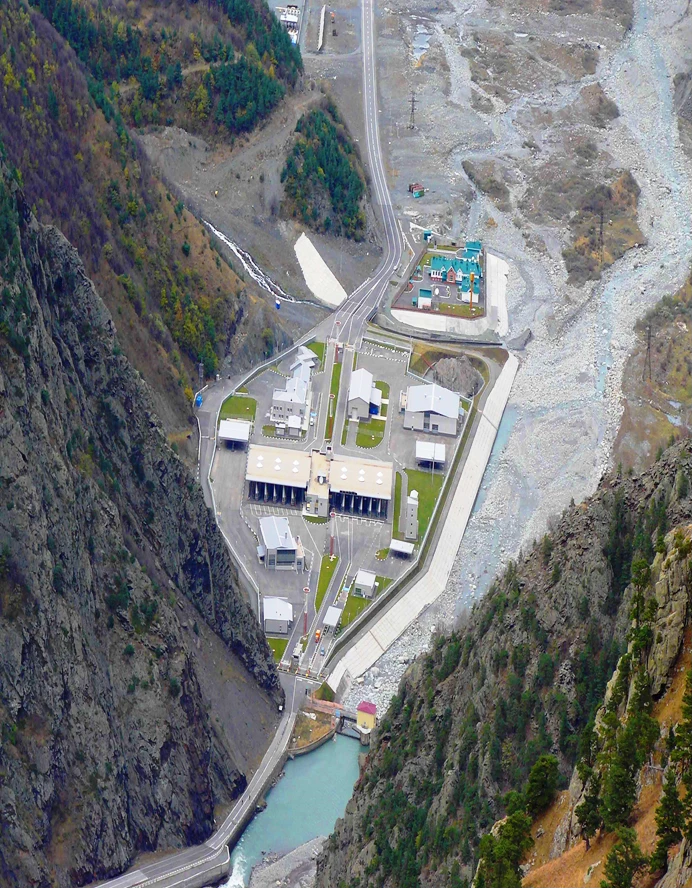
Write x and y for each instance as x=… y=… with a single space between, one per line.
x=587 y=813
x=682 y=748
x=625 y=859
x=541 y=784
x=670 y=821
x=500 y=856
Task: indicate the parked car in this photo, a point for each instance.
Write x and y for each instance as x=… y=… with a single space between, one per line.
x=322 y=651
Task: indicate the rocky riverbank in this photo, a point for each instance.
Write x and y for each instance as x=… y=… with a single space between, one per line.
x=296 y=868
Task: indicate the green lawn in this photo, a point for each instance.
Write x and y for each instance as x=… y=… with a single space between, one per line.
x=428 y=486
x=398 y=500
x=334 y=390
x=370 y=434
x=383 y=553
x=356 y=604
x=269 y=430
x=315 y=519
x=278 y=647
x=238 y=407
x=461 y=309
x=319 y=349
x=345 y=431
x=385 y=389
x=327 y=569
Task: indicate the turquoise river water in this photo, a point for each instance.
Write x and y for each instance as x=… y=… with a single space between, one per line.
x=304 y=804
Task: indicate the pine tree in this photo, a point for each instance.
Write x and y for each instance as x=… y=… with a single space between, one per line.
x=625 y=859
x=587 y=813
x=670 y=821
x=682 y=748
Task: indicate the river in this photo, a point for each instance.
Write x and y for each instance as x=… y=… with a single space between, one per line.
x=303 y=805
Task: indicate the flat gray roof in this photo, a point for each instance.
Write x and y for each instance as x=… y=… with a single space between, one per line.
x=333 y=616
x=277 y=609
x=234 y=430
x=400 y=546
x=365 y=578
x=428 y=450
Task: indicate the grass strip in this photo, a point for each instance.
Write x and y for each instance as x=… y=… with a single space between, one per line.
x=328 y=567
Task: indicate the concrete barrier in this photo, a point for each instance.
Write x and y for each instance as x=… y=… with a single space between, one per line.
x=432 y=584
x=309 y=748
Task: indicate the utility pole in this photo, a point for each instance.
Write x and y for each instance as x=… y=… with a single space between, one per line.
x=411 y=113
x=648 y=355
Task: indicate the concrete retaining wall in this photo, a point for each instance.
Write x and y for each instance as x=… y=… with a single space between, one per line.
x=384 y=632
x=309 y=748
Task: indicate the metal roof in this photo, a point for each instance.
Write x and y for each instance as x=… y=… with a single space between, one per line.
x=367 y=707
x=362 y=476
x=433 y=398
x=427 y=450
x=333 y=616
x=361 y=385
x=277 y=609
x=400 y=546
x=295 y=392
x=276 y=532
x=365 y=578
x=234 y=430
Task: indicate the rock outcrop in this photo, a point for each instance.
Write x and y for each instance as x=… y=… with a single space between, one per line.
x=521 y=677
x=108 y=748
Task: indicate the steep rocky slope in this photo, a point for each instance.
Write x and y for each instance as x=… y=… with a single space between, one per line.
x=561 y=857
x=522 y=677
x=108 y=746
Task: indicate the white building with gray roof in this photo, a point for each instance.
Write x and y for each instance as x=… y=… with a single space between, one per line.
x=431 y=408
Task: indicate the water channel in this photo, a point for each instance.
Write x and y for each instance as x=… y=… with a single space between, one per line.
x=303 y=805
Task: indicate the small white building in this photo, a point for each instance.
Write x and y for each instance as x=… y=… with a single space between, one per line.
x=279 y=548
x=431 y=408
x=430 y=452
x=411 y=516
x=234 y=432
x=332 y=617
x=290 y=401
x=364 y=397
x=364 y=584
x=278 y=615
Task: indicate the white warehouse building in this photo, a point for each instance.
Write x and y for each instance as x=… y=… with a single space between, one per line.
x=431 y=408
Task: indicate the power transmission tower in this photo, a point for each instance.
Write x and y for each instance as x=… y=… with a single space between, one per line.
x=411 y=113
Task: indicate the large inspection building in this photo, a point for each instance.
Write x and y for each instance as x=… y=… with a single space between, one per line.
x=319 y=482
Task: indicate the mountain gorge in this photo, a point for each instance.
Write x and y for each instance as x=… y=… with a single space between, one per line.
x=520 y=680
x=114 y=584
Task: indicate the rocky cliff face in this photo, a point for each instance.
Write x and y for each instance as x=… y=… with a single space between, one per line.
x=650 y=680
x=107 y=745
x=522 y=677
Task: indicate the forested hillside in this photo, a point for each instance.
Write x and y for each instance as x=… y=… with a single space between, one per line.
x=222 y=64
x=174 y=301
x=505 y=705
x=324 y=182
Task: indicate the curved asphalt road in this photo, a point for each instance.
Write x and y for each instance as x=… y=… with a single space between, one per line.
x=188 y=866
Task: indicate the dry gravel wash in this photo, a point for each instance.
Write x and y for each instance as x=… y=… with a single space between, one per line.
x=565 y=407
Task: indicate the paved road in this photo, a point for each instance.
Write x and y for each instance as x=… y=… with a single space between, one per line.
x=176 y=868
x=346 y=324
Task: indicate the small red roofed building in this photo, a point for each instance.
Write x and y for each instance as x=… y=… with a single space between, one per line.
x=366 y=715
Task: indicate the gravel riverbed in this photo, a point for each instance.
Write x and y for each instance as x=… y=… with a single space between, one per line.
x=556 y=438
